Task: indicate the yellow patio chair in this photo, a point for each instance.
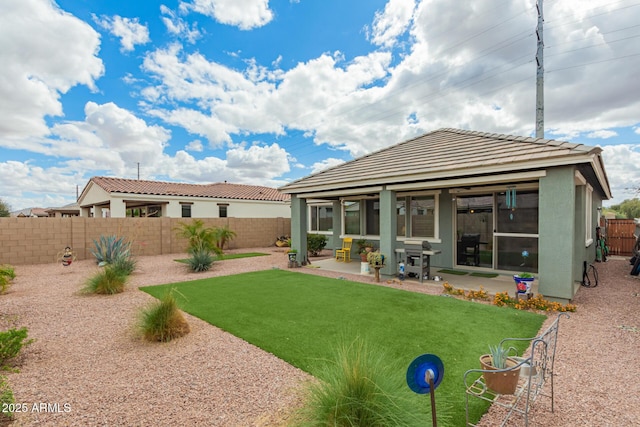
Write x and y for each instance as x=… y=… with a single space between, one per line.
x=344 y=254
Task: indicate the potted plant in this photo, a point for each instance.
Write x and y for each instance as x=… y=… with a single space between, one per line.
x=523 y=283
x=375 y=258
x=292 y=254
x=505 y=379
x=362 y=244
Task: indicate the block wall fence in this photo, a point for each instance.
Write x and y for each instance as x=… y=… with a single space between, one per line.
x=25 y=241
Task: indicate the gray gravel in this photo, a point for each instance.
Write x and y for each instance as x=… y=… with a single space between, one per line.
x=91 y=368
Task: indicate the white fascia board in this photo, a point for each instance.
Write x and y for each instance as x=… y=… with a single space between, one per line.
x=339 y=193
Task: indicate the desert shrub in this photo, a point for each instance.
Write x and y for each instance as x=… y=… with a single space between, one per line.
x=110 y=248
x=124 y=264
x=7 y=271
x=200 y=260
x=6 y=398
x=11 y=342
x=222 y=236
x=316 y=243
x=107 y=281
x=7 y=274
x=163 y=321
x=358 y=388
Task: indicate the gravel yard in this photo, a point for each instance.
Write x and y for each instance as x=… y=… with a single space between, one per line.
x=89 y=366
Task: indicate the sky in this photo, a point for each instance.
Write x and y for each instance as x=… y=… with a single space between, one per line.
x=264 y=92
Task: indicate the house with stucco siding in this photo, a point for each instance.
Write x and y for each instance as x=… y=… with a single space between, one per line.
x=528 y=204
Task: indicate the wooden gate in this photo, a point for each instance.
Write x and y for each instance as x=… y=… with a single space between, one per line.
x=620 y=238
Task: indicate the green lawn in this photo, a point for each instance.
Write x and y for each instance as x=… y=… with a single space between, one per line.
x=300 y=317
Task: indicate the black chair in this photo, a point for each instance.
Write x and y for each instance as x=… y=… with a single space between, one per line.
x=469 y=250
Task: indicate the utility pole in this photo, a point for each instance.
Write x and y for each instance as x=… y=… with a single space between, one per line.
x=540 y=74
x=138 y=171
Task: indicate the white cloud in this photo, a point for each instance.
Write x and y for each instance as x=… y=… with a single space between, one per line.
x=128 y=30
x=389 y=24
x=110 y=139
x=245 y=14
x=325 y=164
x=602 y=134
x=31 y=83
x=195 y=145
x=178 y=26
x=622 y=163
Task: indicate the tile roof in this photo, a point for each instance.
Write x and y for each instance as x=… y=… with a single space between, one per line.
x=220 y=190
x=445 y=153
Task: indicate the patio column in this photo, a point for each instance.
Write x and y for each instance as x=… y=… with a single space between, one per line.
x=299 y=226
x=388 y=230
x=337 y=224
x=556 y=259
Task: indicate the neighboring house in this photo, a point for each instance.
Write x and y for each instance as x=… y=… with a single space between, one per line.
x=531 y=204
x=65 y=211
x=118 y=198
x=31 y=213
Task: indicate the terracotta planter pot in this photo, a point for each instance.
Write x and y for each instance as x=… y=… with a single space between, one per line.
x=500 y=382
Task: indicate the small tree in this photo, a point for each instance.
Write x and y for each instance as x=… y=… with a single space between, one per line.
x=4 y=209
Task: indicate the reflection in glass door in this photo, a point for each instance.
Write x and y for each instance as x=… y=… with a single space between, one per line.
x=474 y=222
x=517 y=231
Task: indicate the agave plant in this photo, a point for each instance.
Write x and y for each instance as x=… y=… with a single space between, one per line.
x=110 y=248
x=499 y=355
x=200 y=259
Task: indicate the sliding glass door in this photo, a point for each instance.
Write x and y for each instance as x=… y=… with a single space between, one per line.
x=474 y=219
x=498 y=230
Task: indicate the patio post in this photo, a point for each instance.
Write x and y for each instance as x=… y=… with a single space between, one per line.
x=299 y=226
x=388 y=230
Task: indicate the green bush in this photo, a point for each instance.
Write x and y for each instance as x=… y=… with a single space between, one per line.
x=316 y=243
x=7 y=274
x=358 y=388
x=107 y=281
x=110 y=248
x=11 y=342
x=6 y=398
x=163 y=321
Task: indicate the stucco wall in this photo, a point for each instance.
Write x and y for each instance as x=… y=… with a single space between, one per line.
x=39 y=240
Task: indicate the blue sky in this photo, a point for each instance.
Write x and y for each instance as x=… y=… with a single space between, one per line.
x=264 y=92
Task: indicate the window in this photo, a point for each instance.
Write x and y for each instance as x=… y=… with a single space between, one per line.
x=401 y=215
x=351 y=216
x=423 y=215
x=372 y=216
x=186 y=210
x=321 y=218
x=588 y=211
x=222 y=210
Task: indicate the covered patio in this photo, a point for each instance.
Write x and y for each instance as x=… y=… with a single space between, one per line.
x=466 y=281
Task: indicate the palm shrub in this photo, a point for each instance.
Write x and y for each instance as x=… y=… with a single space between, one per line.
x=223 y=235
x=110 y=248
x=107 y=281
x=358 y=388
x=197 y=235
x=202 y=243
x=162 y=320
x=7 y=274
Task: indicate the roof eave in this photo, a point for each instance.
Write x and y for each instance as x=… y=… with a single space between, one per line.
x=446 y=174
